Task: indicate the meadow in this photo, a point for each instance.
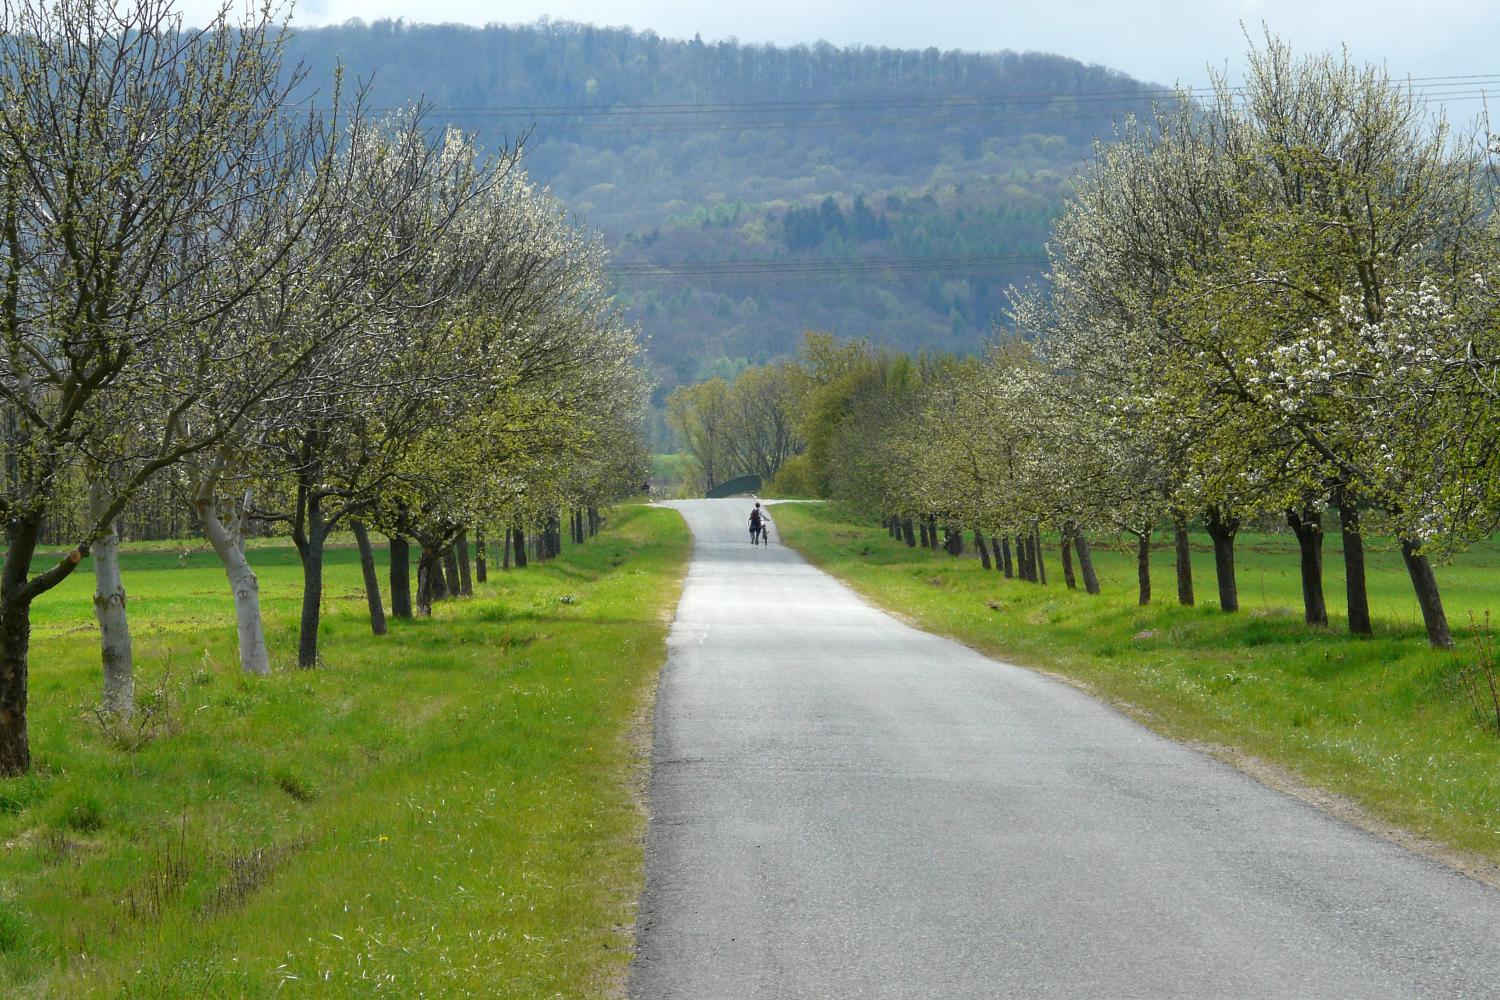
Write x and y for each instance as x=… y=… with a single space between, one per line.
x=1382 y=722
x=452 y=809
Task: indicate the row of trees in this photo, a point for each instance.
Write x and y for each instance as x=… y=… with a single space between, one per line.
x=318 y=320
x=1280 y=304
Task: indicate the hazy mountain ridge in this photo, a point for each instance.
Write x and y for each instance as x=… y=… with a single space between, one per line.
x=695 y=152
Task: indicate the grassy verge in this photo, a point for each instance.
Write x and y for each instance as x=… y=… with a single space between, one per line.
x=1381 y=721
x=446 y=811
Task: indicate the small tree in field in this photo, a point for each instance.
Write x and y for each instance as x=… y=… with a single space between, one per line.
x=148 y=178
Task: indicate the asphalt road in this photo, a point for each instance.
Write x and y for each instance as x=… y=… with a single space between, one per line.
x=842 y=807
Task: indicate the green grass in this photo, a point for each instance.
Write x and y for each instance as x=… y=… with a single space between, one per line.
x=446 y=811
x=1380 y=720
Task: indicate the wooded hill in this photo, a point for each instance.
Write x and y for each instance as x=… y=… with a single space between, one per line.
x=694 y=158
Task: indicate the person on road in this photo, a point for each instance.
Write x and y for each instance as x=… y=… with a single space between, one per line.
x=756 y=516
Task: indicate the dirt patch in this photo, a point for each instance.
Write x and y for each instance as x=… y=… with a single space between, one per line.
x=640 y=740
x=639 y=737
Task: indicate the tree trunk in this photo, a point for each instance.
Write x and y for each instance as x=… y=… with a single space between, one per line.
x=932 y=532
x=1222 y=530
x=593 y=521
x=518 y=537
x=450 y=571
x=16 y=594
x=15 y=643
x=481 y=557
x=1354 y=564
x=243 y=584
x=1067 y=560
x=1143 y=566
x=1039 y=556
x=1307 y=525
x=429 y=581
x=312 y=584
x=372 y=582
x=109 y=610
x=1184 y=548
x=1424 y=582
x=922 y=523
x=1027 y=557
x=400 y=577
x=439 y=582
x=984 y=551
x=907 y=533
x=1006 y=565
x=1086 y=563
x=465 y=581
x=505 y=551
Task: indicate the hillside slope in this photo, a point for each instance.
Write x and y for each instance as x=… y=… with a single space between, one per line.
x=694 y=158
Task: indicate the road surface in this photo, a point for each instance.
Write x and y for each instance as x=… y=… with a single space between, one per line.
x=842 y=806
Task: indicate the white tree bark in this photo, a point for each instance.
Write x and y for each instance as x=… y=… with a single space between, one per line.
x=229 y=545
x=109 y=609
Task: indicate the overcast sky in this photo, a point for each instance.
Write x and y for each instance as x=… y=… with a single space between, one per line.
x=1162 y=41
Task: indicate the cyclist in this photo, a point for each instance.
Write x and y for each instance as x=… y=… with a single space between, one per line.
x=756 y=518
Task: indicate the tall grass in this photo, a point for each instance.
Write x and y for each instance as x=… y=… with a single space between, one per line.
x=446 y=811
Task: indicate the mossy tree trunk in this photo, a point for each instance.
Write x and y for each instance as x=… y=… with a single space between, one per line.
x=1182 y=543
x=372 y=582
x=1307 y=524
x=1222 y=528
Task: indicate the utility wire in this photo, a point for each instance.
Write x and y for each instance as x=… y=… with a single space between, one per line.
x=854 y=122
x=792 y=270
x=1458 y=84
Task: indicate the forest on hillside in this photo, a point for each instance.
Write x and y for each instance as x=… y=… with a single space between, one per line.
x=747 y=189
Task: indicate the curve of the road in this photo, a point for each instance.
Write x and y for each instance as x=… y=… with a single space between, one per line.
x=842 y=806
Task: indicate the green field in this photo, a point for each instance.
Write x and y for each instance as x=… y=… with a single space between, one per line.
x=1382 y=721
x=447 y=811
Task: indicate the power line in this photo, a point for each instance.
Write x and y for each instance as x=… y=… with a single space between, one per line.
x=605 y=127
x=784 y=270
x=778 y=264
x=1050 y=114
x=1436 y=84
